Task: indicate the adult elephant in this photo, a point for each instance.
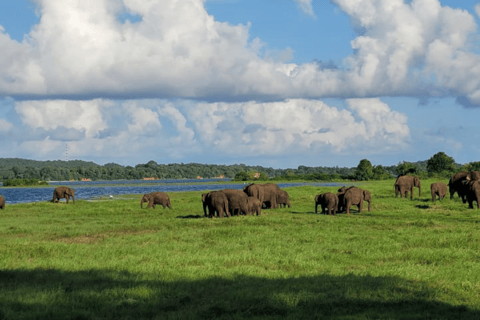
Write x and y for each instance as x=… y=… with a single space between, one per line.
x=356 y=196
x=215 y=201
x=270 y=191
x=405 y=184
x=283 y=198
x=237 y=201
x=63 y=192
x=456 y=185
x=340 y=194
x=254 y=205
x=472 y=192
x=438 y=189
x=155 y=198
x=473 y=175
x=328 y=201
x=2 y=202
x=254 y=190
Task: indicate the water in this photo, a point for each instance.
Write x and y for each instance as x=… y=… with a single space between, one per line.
x=95 y=189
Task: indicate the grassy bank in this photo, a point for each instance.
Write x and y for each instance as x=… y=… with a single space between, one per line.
x=112 y=260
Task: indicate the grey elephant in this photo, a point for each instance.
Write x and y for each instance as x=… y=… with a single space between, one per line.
x=356 y=197
x=254 y=190
x=63 y=192
x=155 y=198
x=456 y=185
x=473 y=175
x=270 y=191
x=438 y=189
x=473 y=192
x=405 y=184
x=237 y=201
x=254 y=205
x=328 y=201
x=340 y=194
x=283 y=198
x=215 y=201
x=2 y=202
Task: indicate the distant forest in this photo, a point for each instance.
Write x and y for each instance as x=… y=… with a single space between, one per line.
x=14 y=168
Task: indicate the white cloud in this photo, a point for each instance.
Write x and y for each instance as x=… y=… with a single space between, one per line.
x=5 y=125
x=183 y=128
x=52 y=114
x=306 y=6
x=177 y=49
x=298 y=125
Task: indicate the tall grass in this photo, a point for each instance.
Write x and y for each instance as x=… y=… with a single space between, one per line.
x=112 y=260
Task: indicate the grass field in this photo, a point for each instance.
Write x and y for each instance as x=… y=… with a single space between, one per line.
x=109 y=259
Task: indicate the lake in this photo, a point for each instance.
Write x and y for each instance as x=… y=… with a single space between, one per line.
x=95 y=189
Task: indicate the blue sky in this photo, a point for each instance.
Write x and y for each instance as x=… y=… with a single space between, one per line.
x=273 y=83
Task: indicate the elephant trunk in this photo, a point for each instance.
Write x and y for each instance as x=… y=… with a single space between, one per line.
x=73 y=198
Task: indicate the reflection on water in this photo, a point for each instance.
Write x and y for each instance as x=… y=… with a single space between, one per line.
x=95 y=189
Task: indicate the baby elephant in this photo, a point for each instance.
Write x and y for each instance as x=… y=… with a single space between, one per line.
x=328 y=201
x=155 y=198
x=438 y=189
x=2 y=202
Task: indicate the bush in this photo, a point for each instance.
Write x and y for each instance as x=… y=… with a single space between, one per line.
x=24 y=183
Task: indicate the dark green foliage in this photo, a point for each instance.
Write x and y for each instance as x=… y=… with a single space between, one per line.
x=364 y=170
x=440 y=162
x=24 y=183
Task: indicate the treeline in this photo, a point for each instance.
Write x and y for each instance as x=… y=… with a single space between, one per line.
x=13 y=168
x=77 y=169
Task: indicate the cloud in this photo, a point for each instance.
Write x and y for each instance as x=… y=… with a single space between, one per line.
x=306 y=6
x=175 y=130
x=175 y=49
x=53 y=114
x=299 y=125
x=5 y=125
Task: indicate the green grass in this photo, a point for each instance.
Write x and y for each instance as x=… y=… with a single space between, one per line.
x=109 y=259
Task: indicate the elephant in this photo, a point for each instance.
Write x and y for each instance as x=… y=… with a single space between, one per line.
x=254 y=205
x=473 y=192
x=237 y=201
x=2 y=202
x=438 y=189
x=405 y=183
x=216 y=201
x=356 y=196
x=270 y=191
x=473 y=175
x=63 y=192
x=328 y=201
x=340 y=194
x=283 y=199
x=455 y=184
x=254 y=190
x=155 y=198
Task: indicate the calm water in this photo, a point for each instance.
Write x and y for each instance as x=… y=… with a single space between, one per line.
x=96 y=189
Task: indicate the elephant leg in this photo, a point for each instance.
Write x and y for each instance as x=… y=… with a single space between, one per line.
x=360 y=207
x=316 y=205
x=220 y=212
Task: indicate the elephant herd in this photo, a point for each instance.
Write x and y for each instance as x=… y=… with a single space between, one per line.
x=466 y=184
x=342 y=201
x=254 y=197
x=248 y=201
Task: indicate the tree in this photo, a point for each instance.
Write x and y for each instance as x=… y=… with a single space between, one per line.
x=405 y=167
x=364 y=170
x=440 y=162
